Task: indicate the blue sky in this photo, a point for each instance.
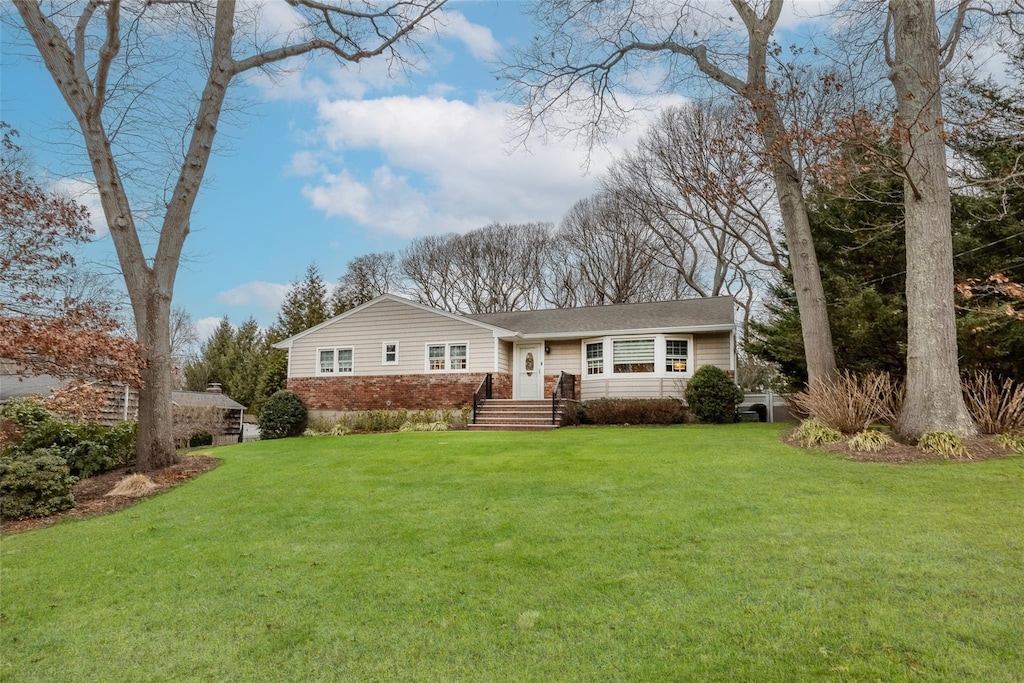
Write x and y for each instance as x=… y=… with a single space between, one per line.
x=331 y=163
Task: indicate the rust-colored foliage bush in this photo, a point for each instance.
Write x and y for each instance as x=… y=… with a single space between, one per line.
x=997 y=407
x=852 y=403
x=42 y=330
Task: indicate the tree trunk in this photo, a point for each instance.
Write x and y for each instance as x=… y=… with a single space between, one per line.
x=155 y=447
x=803 y=261
x=934 y=399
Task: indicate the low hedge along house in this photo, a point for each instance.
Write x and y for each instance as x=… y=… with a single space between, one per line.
x=392 y=353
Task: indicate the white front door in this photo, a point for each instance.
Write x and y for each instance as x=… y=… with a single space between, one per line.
x=528 y=378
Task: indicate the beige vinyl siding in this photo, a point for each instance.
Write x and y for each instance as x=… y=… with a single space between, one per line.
x=390 y=321
x=564 y=357
x=504 y=356
x=634 y=386
x=712 y=349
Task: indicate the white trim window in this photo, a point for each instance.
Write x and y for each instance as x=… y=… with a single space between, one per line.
x=656 y=355
x=677 y=355
x=337 y=361
x=594 y=352
x=447 y=357
x=632 y=356
x=389 y=353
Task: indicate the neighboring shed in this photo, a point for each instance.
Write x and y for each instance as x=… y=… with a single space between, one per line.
x=207 y=411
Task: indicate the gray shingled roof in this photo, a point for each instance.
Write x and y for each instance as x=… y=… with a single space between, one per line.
x=205 y=399
x=16 y=386
x=688 y=313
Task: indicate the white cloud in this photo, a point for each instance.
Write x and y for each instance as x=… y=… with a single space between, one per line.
x=447 y=166
x=320 y=77
x=268 y=295
x=305 y=163
x=478 y=39
x=85 y=192
x=205 y=327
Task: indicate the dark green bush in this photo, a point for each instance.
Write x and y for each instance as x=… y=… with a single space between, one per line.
x=34 y=484
x=81 y=445
x=283 y=415
x=120 y=442
x=712 y=396
x=200 y=439
x=634 y=411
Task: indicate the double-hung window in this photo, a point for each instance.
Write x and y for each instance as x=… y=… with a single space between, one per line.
x=632 y=355
x=448 y=356
x=677 y=355
x=595 y=358
x=389 y=353
x=334 y=361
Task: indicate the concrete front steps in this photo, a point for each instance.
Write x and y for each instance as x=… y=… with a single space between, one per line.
x=498 y=414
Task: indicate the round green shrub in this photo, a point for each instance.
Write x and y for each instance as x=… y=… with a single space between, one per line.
x=712 y=396
x=283 y=415
x=34 y=484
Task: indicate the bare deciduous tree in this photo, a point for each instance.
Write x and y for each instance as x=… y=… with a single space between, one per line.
x=695 y=181
x=588 y=57
x=614 y=252
x=97 y=52
x=366 y=277
x=494 y=268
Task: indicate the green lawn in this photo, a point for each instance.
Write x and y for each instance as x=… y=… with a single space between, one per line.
x=606 y=554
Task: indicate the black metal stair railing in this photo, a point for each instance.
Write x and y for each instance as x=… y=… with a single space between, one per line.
x=482 y=393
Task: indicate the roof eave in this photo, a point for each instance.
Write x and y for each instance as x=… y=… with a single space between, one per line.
x=684 y=329
x=286 y=344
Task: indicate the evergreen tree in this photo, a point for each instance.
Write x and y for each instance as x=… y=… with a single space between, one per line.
x=858 y=233
x=215 y=359
x=306 y=305
x=233 y=358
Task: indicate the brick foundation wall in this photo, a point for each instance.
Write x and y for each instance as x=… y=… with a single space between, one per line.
x=406 y=392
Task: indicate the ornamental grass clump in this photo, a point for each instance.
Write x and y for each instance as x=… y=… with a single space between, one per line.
x=851 y=403
x=946 y=444
x=132 y=486
x=869 y=441
x=997 y=407
x=1013 y=441
x=425 y=427
x=814 y=432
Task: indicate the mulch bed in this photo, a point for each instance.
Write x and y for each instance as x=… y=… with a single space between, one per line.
x=91 y=494
x=980 y=448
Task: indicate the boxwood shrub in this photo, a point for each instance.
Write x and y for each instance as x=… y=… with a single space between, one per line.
x=712 y=396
